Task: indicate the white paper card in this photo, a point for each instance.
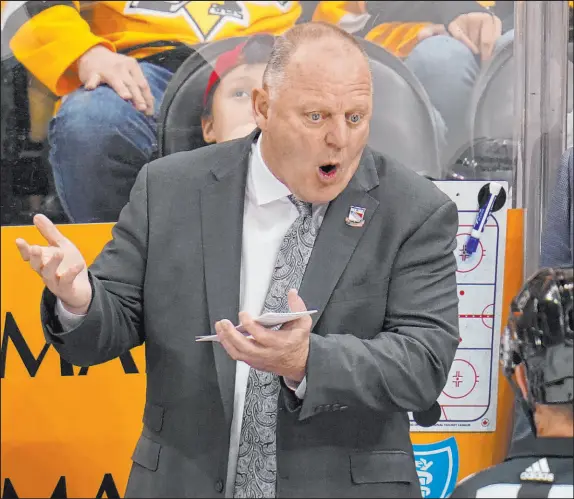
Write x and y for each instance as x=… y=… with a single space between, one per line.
x=267 y=320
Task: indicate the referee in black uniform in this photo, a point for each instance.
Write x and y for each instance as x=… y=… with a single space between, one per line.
x=537 y=359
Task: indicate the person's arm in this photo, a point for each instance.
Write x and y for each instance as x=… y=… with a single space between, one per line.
x=556 y=244
x=350 y=16
x=405 y=367
x=355 y=16
x=113 y=323
x=47 y=38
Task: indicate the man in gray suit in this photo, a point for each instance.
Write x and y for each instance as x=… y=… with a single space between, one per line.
x=300 y=213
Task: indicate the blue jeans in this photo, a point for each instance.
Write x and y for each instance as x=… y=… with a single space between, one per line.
x=447 y=70
x=98 y=144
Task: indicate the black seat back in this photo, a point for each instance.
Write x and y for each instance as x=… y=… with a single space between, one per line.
x=492 y=101
x=491 y=114
x=403 y=126
x=179 y=124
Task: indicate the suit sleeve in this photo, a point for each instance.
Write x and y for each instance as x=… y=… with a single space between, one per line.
x=113 y=324
x=405 y=367
x=47 y=38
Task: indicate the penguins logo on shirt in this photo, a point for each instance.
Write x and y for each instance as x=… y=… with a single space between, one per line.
x=206 y=18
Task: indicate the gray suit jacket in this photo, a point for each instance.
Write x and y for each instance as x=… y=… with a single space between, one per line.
x=383 y=340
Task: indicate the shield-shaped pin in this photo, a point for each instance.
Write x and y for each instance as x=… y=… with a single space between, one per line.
x=356 y=216
x=437 y=467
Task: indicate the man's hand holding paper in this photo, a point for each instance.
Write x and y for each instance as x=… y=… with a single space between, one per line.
x=283 y=352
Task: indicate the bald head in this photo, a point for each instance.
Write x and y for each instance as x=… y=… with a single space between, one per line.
x=303 y=44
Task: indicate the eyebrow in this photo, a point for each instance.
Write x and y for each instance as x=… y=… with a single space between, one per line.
x=311 y=105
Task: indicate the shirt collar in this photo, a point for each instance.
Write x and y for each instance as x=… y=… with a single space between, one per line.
x=542 y=447
x=265 y=186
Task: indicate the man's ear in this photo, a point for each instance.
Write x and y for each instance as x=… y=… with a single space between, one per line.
x=207 y=128
x=260 y=104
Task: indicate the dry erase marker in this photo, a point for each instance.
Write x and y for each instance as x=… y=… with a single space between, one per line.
x=481 y=219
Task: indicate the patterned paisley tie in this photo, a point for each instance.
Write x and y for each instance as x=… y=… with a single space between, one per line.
x=257 y=464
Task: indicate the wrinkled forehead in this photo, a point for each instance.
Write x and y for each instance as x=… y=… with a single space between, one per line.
x=315 y=75
x=329 y=60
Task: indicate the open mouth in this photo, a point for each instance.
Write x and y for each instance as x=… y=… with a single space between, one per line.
x=329 y=170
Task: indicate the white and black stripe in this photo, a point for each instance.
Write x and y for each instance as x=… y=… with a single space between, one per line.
x=537 y=467
x=523 y=490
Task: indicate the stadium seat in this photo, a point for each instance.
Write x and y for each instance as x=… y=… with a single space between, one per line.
x=26 y=172
x=402 y=128
x=488 y=154
x=179 y=124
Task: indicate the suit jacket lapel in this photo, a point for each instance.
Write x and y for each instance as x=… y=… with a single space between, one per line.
x=222 y=206
x=336 y=240
x=222 y=203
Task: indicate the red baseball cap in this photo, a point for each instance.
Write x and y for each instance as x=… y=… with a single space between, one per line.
x=235 y=57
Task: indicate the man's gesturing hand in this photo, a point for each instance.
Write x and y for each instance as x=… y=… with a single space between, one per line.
x=283 y=352
x=60 y=265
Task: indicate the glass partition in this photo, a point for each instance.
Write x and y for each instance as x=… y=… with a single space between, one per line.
x=445 y=89
x=542 y=118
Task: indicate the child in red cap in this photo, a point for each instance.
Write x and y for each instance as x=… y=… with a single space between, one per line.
x=227 y=112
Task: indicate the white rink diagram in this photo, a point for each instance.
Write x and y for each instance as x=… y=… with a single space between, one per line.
x=469 y=399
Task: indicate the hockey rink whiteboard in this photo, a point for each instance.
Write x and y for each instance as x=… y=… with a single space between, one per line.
x=469 y=399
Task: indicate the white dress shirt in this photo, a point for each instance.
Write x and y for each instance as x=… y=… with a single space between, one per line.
x=268 y=214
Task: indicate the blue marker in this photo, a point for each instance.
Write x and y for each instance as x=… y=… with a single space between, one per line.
x=481 y=218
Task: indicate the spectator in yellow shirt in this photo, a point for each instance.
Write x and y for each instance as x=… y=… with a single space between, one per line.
x=111 y=61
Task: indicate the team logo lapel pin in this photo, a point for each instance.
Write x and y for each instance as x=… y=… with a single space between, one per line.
x=356 y=216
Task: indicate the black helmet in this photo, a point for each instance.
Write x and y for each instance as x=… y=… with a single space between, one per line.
x=540 y=335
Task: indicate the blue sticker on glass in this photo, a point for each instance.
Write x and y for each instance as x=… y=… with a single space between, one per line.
x=437 y=467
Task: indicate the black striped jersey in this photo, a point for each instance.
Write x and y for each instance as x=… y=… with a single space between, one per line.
x=537 y=467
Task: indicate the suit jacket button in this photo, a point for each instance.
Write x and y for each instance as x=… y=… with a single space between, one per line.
x=219 y=485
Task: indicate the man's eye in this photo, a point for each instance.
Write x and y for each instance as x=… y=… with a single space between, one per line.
x=240 y=93
x=355 y=118
x=315 y=116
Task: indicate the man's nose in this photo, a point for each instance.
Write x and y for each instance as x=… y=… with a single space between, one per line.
x=338 y=133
